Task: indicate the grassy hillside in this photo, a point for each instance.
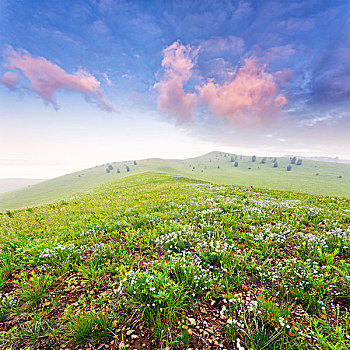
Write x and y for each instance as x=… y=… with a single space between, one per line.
x=153 y=261
x=7 y=185
x=313 y=177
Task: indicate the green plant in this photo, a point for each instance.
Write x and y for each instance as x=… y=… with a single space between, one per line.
x=247 y=320
x=89 y=327
x=308 y=283
x=214 y=252
x=33 y=287
x=186 y=270
x=7 y=304
x=323 y=336
x=160 y=301
x=3 y=277
x=233 y=275
x=34 y=330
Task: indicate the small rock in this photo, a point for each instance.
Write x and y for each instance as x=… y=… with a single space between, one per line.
x=192 y=321
x=134 y=336
x=130 y=331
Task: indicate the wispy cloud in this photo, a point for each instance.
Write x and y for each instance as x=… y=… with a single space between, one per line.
x=46 y=78
x=218 y=45
x=108 y=81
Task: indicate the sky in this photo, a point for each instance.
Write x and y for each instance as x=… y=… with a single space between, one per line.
x=88 y=82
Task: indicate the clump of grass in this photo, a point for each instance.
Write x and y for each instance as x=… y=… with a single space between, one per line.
x=259 y=322
x=186 y=270
x=33 y=331
x=308 y=283
x=233 y=275
x=177 y=241
x=160 y=301
x=213 y=252
x=33 y=287
x=7 y=304
x=89 y=327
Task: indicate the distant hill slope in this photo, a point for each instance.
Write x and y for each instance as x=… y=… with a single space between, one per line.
x=312 y=177
x=7 y=185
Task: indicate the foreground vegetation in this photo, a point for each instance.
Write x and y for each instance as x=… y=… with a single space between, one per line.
x=163 y=262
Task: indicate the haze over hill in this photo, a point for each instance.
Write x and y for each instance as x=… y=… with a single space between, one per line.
x=312 y=177
x=7 y=185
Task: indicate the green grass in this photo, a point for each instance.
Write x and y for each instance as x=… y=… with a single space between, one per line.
x=153 y=259
x=301 y=178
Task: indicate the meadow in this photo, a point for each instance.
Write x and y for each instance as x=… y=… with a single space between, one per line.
x=157 y=261
x=332 y=179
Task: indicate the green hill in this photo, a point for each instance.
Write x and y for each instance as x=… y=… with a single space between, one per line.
x=158 y=261
x=10 y=184
x=332 y=179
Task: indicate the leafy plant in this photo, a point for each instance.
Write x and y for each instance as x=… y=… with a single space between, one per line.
x=160 y=301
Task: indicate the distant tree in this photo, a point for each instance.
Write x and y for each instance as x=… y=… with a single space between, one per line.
x=108 y=170
x=218 y=166
x=274 y=160
x=293 y=160
x=127 y=168
x=253 y=158
x=232 y=159
x=275 y=165
x=299 y=162
x=263 y=161
x=135 y=163
x=317 y=174
x=110 y=167
x=118 y=171
x=289 y=168
x=339 y=177
x=236 y=164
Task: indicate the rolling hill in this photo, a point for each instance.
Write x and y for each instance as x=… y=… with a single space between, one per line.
x=321 y=178
x=7 y=185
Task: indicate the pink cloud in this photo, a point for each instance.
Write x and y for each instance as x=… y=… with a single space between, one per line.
x=250 y=97
x=10 y=79
x=46 y=78
x=173 y=100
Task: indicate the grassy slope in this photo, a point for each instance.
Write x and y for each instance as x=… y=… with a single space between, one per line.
x=91 y=244
x=301 y=179
x=7 y=185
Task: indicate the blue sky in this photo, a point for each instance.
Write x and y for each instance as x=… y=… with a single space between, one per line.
x=87 y=82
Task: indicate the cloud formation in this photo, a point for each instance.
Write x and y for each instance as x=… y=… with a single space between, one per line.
x=47 y=78
x=173 y=100
x=218 y=45
x=10 y=80
x=251 y=96
x=248 y=96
